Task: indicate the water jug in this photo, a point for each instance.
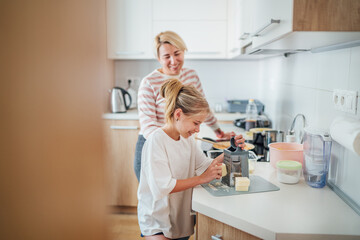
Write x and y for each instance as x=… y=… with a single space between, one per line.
x=317 y=153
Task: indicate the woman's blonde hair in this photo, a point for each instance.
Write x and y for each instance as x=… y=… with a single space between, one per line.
x=170 y=38
x=185 y=97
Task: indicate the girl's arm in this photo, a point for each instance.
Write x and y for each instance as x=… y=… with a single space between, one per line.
x=212 y=172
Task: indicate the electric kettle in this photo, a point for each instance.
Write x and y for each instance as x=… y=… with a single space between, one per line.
x=119 y=103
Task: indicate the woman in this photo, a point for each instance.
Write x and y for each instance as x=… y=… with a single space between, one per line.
x=169 y=49
x=173 y=164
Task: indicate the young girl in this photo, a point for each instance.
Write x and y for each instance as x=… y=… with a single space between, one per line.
x=172 y=165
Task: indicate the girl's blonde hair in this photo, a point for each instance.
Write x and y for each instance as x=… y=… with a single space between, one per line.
x=170 y=38
x=185 y=97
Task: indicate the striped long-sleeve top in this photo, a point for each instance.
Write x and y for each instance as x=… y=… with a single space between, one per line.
x=151 y=105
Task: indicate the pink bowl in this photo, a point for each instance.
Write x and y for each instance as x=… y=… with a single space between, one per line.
x=285 y=151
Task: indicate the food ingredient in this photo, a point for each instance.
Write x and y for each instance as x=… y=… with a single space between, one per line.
x=242 y=184
x=223 y=170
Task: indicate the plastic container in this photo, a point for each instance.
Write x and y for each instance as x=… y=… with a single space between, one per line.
x=251 y=115
x=252 y=161
x=285 y=151
x=317 y=153
x=288 y=171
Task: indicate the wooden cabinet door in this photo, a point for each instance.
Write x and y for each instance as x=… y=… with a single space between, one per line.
x=207 y=227
x=120 y=141
x=129 y=29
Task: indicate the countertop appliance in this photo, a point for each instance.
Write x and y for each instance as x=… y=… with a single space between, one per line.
x=262 y=122
x=240 y=106
x=119 y=102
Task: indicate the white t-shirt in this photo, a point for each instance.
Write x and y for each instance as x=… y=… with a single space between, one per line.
x=163 y=161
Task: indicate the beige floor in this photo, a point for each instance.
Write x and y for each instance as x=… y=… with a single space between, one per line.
x=123 y=224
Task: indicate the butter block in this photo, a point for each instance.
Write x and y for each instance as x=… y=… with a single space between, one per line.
x=223 y=169
x=242 y=184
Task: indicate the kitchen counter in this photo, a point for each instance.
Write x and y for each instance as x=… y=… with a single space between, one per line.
x=133 y=115
x=129 y=115
x=294 y=212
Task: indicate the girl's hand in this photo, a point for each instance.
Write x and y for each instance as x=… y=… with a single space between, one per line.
x=213 y=171
x=240 y=141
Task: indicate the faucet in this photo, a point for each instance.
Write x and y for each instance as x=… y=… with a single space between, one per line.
x=292 y=131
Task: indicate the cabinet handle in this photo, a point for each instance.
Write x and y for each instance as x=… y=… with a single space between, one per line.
x=124 y=127
x=129 y=53
x=272 y=21
x=244 y=36
x=204 y=53
x=216 y=237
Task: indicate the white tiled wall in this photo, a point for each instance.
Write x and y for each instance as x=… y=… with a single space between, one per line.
x=304 y=83
x=300 y=83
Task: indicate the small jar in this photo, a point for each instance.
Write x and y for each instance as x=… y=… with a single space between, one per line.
x=288 y=171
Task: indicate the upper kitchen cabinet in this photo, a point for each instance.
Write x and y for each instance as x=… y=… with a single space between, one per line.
x=129 y=25
x=302 y=24
x=234 y=28
x=246 y=10
x=201 y=23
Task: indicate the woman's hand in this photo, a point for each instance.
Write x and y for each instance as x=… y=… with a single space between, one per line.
x=213 y=171
x=239 y=139
x=223 y=136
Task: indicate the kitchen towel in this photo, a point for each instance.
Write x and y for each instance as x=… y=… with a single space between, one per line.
x=346 y=131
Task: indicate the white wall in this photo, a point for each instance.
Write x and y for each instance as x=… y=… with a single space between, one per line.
x=221 y=79
x=300 y=83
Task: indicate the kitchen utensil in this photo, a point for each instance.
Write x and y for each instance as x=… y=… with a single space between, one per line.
x=222 y=145
x=288 y=171
x=236 y=161
x=258 y=140
x=271 y=136
x=317 y=152
x=217 y=145
x=119 y=104
x=285 y=151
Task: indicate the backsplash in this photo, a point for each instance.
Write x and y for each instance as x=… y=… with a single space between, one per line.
x=304 y=83
x=300 y=83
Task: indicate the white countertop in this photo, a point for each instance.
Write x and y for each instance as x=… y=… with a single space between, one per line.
x=129 y=115
x=133 y=115
x=294 y=212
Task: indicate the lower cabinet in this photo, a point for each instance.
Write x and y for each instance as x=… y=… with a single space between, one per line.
x=120 y=141
x=208 y=228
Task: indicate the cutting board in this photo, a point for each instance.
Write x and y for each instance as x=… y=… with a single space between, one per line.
x=257 y=184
